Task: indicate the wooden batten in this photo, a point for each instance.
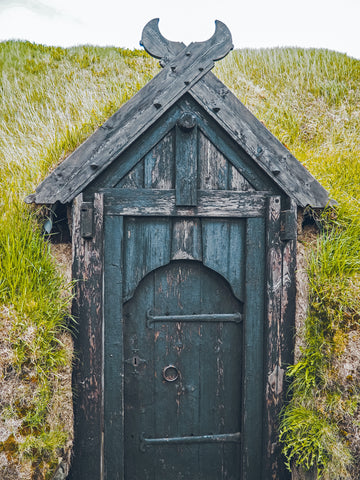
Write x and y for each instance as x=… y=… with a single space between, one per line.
x=88 y=344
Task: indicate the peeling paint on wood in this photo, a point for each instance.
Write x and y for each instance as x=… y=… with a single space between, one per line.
x=87 y=370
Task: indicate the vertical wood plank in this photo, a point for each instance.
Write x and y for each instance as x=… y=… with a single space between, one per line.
x=253 y=349
x=273 y=363
x=147 y=241
x=213 y=166
x=224 y=250
x=159 y=164
x=135 y=178
x=140 y=378
x=237 y=182
x=281 y=261
x=288 y=307
x=87 y=371
x=113 y=350
x=186 y=167
x=288 y=298
x=186 y=239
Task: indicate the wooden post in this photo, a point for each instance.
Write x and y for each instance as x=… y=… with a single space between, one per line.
x=88 y=372
x=281 y=262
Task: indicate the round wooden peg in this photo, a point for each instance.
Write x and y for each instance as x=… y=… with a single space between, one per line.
x=187 y=121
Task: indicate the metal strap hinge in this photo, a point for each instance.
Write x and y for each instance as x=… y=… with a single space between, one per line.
x=236 y=317
x=87 y=220
x=288 y=226
x=221 y=438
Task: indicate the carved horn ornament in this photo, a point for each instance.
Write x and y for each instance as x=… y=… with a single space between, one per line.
x=218 y=46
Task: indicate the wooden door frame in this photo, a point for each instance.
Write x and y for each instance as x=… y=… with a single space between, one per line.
x=100 y=356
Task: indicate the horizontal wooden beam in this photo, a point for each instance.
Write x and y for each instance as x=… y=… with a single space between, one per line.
x=211 y=203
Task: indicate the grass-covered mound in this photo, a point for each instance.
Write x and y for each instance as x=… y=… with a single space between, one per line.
x=51 y=100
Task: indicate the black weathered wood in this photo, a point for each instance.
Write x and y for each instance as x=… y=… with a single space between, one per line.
x=200 y=222
x=141 y=111
x=257 y=141
x=156 y=45
x=117 y=171
x=87 y=370
x=201 y=402
x=186 y=161
x=288 y=297
x=87 y=220
x=218 y=46
x=215 y=170
x=113 y=350
x=224 y=250
x=253 y=349
x=163 y=203
x=189 y=72
x=159 y=164
x=231 y=151
x=288 y=312
x=288 y=228
x=274 y=368
x=146 y=247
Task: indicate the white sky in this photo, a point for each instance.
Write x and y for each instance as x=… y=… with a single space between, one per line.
x=253 y=23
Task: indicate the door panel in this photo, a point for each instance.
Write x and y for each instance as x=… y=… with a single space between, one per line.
x=205 y=355
x=205 y=317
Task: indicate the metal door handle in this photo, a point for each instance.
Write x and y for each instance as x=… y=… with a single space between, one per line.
x=170 y=373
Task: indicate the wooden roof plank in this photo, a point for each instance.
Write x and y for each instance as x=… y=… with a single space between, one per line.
x=262 y=146
x=129 y=122
x=187 y=69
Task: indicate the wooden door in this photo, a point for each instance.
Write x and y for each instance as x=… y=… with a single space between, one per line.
x=183 y=362
x=183 y=346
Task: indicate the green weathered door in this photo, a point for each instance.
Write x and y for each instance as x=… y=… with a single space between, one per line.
x=183 y=351
x=183 y=362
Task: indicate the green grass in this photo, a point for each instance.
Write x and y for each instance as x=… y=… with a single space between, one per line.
x=51 y=99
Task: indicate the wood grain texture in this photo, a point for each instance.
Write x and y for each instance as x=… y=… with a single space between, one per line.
x=204 y=398
x=159 y=164
x=163 y=203
x=186 y=161
x=87 y=371
x=113 y=350
x=274 y=368
x=139 y=114
x=224 y=250
x=186 y=241
x=126 y=125
x=254 y=349
x=146 y=247
x=288 y=298
x=265 y=149
x=215 y=170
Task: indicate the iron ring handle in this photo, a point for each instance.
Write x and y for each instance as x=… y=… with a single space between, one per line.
x=170 y=373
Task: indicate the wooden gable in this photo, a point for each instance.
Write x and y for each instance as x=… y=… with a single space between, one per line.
x=187 y=84
x=184 y=159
